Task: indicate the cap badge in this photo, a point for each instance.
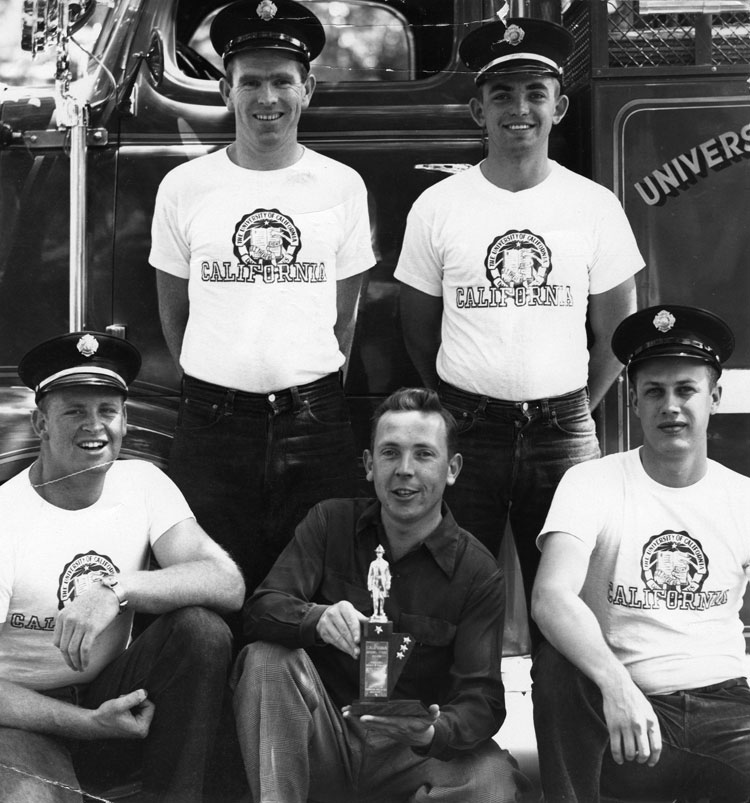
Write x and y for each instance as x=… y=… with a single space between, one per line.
x=88 y=345
x=664 y=320
x=266 y=10
x=514 y=35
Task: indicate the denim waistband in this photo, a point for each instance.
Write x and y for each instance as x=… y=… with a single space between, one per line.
x=714 y=687
x=278 y=400
x=530 y=408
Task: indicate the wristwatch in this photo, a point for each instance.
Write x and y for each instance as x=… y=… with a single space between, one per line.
x=112 y=583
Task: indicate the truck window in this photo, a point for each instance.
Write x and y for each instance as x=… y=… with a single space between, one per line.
x=366 y=41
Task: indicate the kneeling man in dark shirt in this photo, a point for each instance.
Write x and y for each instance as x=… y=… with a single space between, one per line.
x=295 y=681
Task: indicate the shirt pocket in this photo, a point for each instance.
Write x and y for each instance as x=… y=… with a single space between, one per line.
x=427 y=631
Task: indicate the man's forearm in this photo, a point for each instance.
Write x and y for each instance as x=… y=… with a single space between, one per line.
x=573 y=630
x=281 y=618
x=421 y=320
x=604 y=369
x=213 y=584
x=174 y=309
x=29 y=710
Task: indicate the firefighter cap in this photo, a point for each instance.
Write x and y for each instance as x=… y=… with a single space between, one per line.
x=669 y=330
x=80 y=359
x=283 y=26
x=521 y=45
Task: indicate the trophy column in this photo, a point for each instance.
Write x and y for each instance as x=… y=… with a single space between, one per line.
x=383 y=653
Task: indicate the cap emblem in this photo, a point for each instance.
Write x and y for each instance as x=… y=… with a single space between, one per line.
x=664 y=321
x=88 y=345
x=266 y=10
x=514 y=35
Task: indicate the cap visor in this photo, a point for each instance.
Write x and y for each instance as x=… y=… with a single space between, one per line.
x=671 y=350
x=84 y=380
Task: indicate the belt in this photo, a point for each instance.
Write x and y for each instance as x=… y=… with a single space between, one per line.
x=529 y=407
x=284 y=399
x=724 y=684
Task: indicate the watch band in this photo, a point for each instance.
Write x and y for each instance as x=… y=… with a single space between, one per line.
x=113 y=584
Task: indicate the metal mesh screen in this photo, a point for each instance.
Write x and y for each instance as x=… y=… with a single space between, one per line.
x=578 y=22
x=638 y=38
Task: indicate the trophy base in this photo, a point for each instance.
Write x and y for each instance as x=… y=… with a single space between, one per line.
x=390 y=708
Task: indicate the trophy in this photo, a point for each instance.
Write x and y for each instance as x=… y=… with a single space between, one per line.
x=383 y=653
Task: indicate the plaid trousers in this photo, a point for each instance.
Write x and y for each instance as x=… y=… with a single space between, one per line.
x=296 y=745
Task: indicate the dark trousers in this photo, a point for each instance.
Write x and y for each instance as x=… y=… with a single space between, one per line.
x=252 y=465
x=182 y=660
x=705 y=733
x=515 y=454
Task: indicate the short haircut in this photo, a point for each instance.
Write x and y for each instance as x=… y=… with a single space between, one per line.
x=713 y=372
x=421 y=400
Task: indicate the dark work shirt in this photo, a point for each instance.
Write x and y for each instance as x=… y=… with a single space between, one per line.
x=448 y=594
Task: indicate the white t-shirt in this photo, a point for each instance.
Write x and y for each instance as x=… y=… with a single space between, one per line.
x=667 y=568
x=262 y=250
x=515 y=270
x=49 y=555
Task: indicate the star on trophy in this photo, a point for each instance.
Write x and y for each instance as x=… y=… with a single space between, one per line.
x=383 y=653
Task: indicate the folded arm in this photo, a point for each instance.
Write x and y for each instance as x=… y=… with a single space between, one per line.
x=126 y=717
x=194 y=571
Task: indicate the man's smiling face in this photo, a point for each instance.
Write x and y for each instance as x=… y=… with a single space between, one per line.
x=80 y=427
x=410 y=465
x=267 y=93
x=518 y=111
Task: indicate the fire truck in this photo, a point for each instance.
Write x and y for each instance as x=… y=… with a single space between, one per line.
x=660 y=113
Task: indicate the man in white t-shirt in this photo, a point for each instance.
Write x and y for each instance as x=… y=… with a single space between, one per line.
x=641 y=692
x=81 y=706
x=260 y=249
x=501 y=267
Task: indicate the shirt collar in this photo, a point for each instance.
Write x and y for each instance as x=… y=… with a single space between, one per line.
x=441 y=543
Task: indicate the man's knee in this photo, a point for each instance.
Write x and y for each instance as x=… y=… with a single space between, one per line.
x=497 y=776
x=35 y=767
x=201 y=633
x=263 y=665
x=556 y=682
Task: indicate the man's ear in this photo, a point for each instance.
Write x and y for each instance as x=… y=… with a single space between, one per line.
x=634 y=399
x=715 y=398
x=561 y=108
x=367 y=459
x=455 y=465
x=309 y=86
x=225 y=90
x=39 y=423
x=477 y=111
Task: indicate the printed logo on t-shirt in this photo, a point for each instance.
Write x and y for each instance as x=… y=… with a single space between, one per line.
x=79 y=575
x=674 y=568
x=673 y=560
x=517 y=264
x=266 y=243
x=518 y=259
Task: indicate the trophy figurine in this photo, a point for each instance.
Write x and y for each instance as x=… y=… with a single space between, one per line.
x=383 y=653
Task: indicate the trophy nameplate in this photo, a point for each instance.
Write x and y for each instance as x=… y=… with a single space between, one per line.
x=383 y=653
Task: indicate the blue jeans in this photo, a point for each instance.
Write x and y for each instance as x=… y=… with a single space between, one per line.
x=515 y=454
x=182 y=660
x=705 y=733
x=252 y=464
